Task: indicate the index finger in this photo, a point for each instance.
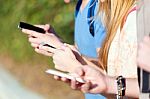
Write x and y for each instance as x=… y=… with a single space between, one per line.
x=46 y=27
x=46 y=48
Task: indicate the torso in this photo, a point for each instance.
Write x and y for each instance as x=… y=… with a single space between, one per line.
x=86 y=43
x=123 y=50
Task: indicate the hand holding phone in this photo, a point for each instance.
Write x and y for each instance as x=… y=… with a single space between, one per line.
x=61 y=74
x=23 y=25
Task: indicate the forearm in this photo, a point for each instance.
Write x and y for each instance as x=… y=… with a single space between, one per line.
x=84 y=60
x=93 y=63
x=132 y=89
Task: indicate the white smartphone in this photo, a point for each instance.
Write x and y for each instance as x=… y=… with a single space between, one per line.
x=61 y=74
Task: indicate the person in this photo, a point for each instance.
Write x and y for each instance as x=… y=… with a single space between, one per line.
x=87 y=41
x=143 y=29
x=144 y=73
x=119 y=45
x=107 y=84
x=121 y=41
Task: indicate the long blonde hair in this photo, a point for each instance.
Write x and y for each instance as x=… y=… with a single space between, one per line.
x=113 y=12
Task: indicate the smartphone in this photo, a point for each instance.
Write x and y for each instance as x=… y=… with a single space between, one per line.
x=23 y=25
x=61 y=74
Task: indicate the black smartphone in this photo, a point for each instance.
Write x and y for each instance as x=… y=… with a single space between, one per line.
x=23 y=25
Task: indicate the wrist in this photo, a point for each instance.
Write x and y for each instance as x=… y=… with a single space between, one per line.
x=75 y=65
x=111 y=85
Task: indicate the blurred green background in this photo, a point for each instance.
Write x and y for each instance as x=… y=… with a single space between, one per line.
x=16 y=54
x=54 y=12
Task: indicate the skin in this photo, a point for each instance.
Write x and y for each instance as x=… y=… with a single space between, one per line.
x=144 y=54
x=67 y=1
x=97 y=82
x=36 y=39
x=64 y=64
x=104 y=83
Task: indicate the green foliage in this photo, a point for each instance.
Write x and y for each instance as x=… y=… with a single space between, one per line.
x=54 y=12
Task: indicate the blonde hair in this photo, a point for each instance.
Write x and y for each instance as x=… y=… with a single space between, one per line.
x=114 y=12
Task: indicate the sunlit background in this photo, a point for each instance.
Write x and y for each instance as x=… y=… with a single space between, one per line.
x=22 y=71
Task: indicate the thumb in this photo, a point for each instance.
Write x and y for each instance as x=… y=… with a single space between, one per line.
x=70 y=52
x=67 y=49
x=46 y=27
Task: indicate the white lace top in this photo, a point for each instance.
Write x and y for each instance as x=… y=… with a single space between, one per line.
x=123 y=50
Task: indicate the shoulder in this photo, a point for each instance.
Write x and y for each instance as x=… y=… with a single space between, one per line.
x=130 y=23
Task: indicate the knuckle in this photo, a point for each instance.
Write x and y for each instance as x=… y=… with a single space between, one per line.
x=32 y=45
x=30 y=39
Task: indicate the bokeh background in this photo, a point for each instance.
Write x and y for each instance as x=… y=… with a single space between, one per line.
x=22 y=71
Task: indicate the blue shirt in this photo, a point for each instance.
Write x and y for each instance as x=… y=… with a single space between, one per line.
x=86 y=43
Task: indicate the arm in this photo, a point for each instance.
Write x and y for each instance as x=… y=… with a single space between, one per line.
x=67 y=58
x=132 y=89
x=104 y=84
x=97 y=82
x=89 y=60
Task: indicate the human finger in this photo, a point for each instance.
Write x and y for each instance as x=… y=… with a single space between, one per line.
x=34 y=40
x=34 y=45
x=65 y=80
x=46 y=48
x=43 y=52
x=73 y=84
x=86 y=87
x=45 y=27
x=57 y=77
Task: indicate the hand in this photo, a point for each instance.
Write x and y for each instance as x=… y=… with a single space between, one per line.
x=76 y=53
x=65 y=60
x=144 y=54
x=96 y=81
x=45 y=50
x=36 y=38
